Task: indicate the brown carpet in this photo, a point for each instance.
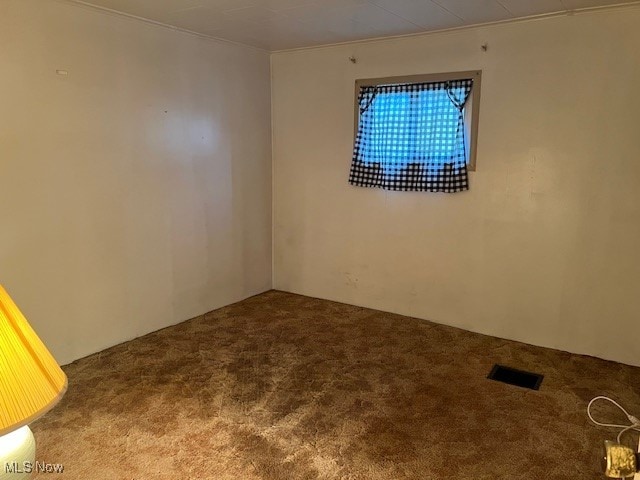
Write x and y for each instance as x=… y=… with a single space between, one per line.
x=281 y=386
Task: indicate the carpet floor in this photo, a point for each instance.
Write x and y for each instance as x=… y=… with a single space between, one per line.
x=286 y=387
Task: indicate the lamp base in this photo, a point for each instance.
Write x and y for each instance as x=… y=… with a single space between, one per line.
x=17 y=454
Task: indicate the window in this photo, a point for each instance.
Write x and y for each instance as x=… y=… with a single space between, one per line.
x=416 y=133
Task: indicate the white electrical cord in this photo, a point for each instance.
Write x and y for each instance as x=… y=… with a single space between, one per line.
x=635 y=422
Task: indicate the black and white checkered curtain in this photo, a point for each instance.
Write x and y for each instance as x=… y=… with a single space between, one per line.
x=411 y=137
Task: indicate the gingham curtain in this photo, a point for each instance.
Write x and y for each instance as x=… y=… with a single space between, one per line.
x=411 y=137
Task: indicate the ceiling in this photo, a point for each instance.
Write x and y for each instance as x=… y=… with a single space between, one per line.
x=283 y=24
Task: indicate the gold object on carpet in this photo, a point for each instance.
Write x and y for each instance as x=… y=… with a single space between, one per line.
x=620 y=460
x=285 y=387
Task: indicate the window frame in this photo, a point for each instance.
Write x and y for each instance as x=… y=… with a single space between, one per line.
x=471 y=128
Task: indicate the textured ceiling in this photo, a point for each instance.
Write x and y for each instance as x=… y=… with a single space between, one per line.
x=282 y=24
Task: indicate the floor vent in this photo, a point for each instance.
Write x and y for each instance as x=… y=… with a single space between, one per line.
x=500 y=373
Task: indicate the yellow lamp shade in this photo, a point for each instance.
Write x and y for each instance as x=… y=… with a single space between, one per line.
x=31 y=382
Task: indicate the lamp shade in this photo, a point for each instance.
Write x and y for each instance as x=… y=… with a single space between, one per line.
x=31 y=382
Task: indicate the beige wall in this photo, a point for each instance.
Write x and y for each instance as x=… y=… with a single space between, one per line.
x=136 y=190
x=543 y=249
